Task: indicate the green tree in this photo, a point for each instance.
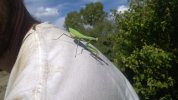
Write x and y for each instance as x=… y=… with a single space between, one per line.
x=94 y=21
x=73 y=19
x=145 y=47
x=93 y=13
x=150 y=68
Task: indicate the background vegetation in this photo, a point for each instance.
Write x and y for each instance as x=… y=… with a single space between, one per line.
x=142 y=42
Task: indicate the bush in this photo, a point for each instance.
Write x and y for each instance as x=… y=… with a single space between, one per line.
x=150 y=67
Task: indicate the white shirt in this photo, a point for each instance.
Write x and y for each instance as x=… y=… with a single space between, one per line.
x=48 y=68
x=4 y=76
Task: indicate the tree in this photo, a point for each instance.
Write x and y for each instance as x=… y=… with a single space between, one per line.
x=150 y=68
x=73 y=19
x=146 y=50
x=87 y=17
x=93 y=21
x=93 y=13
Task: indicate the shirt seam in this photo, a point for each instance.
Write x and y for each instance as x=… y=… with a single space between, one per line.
x=40 y=88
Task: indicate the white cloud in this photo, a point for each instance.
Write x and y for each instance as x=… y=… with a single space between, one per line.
x=59 y=22
x=46 y=12
x=122 y=9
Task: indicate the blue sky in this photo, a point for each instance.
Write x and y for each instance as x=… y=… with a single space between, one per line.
x=55 y=11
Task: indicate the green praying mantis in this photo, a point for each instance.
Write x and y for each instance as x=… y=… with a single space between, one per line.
x=80 y=37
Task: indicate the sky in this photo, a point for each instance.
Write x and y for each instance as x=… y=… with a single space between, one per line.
x=55 y=11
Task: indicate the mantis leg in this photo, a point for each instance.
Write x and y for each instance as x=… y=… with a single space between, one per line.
x=76 y=48
x=91 y=49
x=61 y=36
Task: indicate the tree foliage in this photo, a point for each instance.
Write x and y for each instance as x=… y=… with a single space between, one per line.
x=146 y=50
x=94 y=21
x=150 y=68
x=73 y=19
x=93 y=13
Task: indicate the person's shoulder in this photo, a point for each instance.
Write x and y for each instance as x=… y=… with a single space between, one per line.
x=74 y=62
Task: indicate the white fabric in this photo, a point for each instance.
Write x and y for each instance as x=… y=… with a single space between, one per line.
x=4 y=76
x=48 y=68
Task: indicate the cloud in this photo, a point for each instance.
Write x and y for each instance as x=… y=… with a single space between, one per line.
x=59 y=22
x=54 y=11
x=122 y=9
x=46 y=12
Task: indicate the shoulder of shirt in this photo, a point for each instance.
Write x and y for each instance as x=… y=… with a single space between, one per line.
x=56 y=45
x=46 y=31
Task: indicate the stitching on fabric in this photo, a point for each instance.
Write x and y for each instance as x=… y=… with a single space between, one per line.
x=41 y=86
x=37 y=91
